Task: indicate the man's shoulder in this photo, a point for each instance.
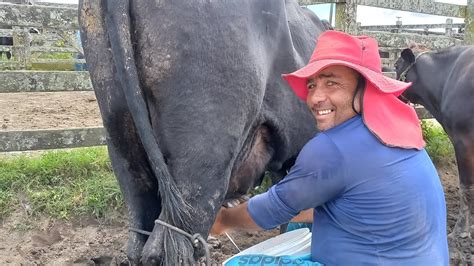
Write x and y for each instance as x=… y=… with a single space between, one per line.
x=322 y=139
x=352 y=129
x=321 y=146
x=347 y=134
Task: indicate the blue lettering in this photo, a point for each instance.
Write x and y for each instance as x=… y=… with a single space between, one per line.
x=255 y=259
x=285 y=261
x=243 y=260
x=268 y=260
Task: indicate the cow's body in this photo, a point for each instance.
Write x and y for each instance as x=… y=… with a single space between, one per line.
x=443 y=83
x=197 y=110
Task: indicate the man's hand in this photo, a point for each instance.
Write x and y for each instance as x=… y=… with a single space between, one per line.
x=218 y=228
x=233 y=218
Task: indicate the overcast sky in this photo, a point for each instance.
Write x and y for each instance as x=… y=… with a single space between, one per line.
x=379 y=16
x=367 y=15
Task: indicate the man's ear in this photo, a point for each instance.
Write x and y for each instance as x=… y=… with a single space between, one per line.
x=408 y=56
x=357 y=102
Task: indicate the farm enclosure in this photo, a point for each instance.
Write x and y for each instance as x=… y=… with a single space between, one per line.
x=48 y=115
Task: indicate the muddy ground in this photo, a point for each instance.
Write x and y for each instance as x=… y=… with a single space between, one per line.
x=41 y=241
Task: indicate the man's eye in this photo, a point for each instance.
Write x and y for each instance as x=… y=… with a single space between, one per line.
x=310 y=86
x=331 y=83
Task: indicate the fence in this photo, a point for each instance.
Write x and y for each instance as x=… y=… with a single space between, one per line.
x=32 y=31
x=64 y=20
x=393 y=38
x=55 y=24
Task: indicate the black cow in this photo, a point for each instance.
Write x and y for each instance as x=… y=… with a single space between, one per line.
x=194 y=106
x=443 y=83
x=5 y=40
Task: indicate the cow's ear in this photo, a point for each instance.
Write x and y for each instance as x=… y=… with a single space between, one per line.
x=408 y=55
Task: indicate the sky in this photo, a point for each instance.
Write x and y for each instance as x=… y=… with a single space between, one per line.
x=379 y=16
x=367 y=15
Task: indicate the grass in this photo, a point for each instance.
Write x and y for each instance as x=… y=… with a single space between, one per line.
x=55 y=56
x=438 y=145
x=60 y=184
x=52 y=66
x=264 y=186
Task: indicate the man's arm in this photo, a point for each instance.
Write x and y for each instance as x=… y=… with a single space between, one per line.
x=238 y=218
x=310 y=183
x=234 y=218
x=305 y=216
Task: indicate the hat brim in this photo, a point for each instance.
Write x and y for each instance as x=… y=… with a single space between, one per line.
x=297 y=80
x=392 y=121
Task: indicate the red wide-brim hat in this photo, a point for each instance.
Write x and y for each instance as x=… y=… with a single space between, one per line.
x=393 y=122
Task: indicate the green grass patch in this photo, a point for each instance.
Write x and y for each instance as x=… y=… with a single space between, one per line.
x=54 y=66
x=56 y=56
x=438 y=145
x=60 y=183
x=7 y=201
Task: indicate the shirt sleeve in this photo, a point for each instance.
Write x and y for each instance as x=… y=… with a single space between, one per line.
x=318 y=176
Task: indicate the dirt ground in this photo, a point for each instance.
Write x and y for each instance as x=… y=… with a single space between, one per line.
x=85 y=241
x=19 y=111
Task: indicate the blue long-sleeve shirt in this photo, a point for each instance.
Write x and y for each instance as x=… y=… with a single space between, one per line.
x=373 y=205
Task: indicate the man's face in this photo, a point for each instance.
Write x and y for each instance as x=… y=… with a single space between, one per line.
x=330 y=94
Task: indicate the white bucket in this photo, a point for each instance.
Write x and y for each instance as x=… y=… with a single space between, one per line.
x=293 y=243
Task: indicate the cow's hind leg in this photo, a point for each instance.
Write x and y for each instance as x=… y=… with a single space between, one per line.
x=463 y=232
x=127 y=155
x=140 y=194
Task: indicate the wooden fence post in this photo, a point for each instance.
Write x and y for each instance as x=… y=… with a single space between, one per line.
x=398 y=24
x=346 y=16
x=448 y=30
x=21 y=47
x=469 y=21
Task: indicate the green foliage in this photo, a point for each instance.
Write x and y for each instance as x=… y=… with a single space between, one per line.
x=438 y=145
x=54 y=66
x=56 y=56
x=60 y=183
x=60 y=43
x=6 y=202
x=264 y=186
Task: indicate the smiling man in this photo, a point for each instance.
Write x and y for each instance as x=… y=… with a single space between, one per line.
x=330 y=95
x=365 y=181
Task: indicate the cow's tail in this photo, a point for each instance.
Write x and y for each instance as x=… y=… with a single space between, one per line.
x=174 y=207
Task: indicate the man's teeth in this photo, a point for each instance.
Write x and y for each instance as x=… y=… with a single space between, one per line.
x=324 y=112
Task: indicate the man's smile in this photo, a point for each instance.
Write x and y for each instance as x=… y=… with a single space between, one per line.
x=324 y=111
